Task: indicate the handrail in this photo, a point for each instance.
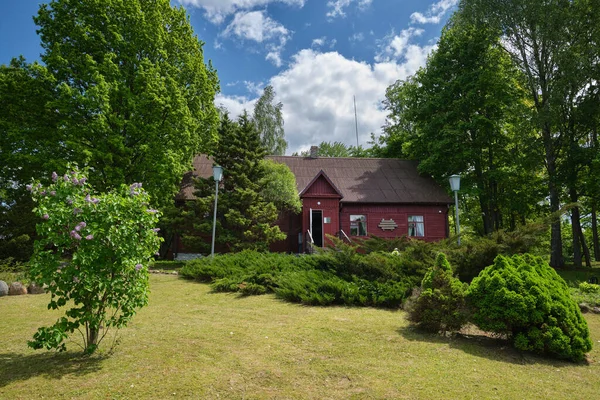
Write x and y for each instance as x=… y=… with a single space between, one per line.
x=346 y=236
x=310 y=237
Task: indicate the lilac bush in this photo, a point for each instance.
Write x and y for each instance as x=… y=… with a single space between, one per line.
x=92 y=253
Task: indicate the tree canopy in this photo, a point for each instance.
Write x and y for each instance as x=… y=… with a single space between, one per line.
x=268 y=118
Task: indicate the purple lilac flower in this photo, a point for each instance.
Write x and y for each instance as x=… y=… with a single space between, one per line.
x=54 y=176
x=138 y=267
x=53 y=193
x=88 y=198
x=75 y=235
x=156 y=229
x=157 y=254
x=80 y=225
x=29 y=187
x=45 y=216
x=77 y=211
x=82 y=181
x=66 y=178
x=75 y=181
x=43 y=193
x=89 y=237
x=69 y=201
x=95 y=200
x=39 y=185
x=73 y=172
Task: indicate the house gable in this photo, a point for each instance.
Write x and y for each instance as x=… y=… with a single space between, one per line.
x=321 y=186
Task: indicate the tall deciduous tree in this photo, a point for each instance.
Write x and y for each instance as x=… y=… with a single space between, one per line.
x=29 y=147
x=245 y=218
x=458 y=115
x=134 y=96
x=535 y=33
x=268 y=119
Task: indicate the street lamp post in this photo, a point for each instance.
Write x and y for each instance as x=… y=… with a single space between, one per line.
x=455 y=186
x=217 y=175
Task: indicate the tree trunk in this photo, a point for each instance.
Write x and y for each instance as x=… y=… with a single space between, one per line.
x=92 y=339
x=586 y=250
x=576 y=230
x=556 y=253
x=596 y=242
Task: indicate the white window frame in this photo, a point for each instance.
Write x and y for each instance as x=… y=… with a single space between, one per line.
x=356 y=220
x=414 y=223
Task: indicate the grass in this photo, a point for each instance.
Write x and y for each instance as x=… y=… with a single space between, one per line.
x=190 y=342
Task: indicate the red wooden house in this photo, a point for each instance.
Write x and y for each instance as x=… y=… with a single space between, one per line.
x=355 y=197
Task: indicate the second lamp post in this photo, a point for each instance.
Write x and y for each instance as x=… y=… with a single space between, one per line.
x=455 y=186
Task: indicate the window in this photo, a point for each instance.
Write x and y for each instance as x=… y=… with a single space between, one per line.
x=416 y=226
x=358 y=225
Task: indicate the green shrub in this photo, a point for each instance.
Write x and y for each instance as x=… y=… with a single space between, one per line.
x=585 y=287
x=524 y=298
x=439 y=304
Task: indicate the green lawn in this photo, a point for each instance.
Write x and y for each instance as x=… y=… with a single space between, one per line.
x=192 y=343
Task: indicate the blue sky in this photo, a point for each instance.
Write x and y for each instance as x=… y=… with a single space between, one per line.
x=317 y=54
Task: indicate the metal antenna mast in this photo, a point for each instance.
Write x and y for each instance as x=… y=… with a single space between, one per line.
x=356 y=121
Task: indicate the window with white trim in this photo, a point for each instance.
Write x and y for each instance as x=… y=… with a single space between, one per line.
x=416 y=226
x=358 y=225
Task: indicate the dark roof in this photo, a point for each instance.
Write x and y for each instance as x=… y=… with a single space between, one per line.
x=359 y=180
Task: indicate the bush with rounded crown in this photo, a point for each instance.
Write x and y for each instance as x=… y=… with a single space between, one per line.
x=524 y=298
x=439 y=304
x=92 y=252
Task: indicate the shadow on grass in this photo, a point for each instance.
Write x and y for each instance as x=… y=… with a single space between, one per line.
x=18 y=367
x=495 y=349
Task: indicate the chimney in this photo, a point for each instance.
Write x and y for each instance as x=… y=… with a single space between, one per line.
x=314 y=151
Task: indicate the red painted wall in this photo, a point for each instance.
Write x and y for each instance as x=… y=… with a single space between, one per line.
x=435 y=219
x=291 y=225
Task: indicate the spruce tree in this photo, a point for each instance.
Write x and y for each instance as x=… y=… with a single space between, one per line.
x=245 y=219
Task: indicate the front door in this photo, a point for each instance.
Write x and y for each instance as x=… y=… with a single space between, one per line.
x=316 y=226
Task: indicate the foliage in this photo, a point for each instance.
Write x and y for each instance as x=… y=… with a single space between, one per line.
x=585 y=287
x=269 y=123
x=245 y=219
x=524 y=298
x=28 y=143
x=439 y=305
x=132 y=73
x=332 y=277
x=464 y=113
x=337 y=149
x=278 y=186
x=93 y=250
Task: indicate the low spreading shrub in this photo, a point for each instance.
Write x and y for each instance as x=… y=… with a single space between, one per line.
x=439 y=304
x=524 y=298
x=585 y=287
x=338 y=276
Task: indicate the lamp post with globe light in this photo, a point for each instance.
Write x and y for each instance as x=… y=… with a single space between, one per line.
x=217 y=175
x=455 y=187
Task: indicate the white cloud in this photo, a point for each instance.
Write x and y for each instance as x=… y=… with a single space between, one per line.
x=317 y=91
x=395 y=47
x=257 y=26
x=337 y=7
x=217 y=10
x=434 y=14
x=235 y=104
x=322 y=42
x=357 y=37
x=318 y=42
